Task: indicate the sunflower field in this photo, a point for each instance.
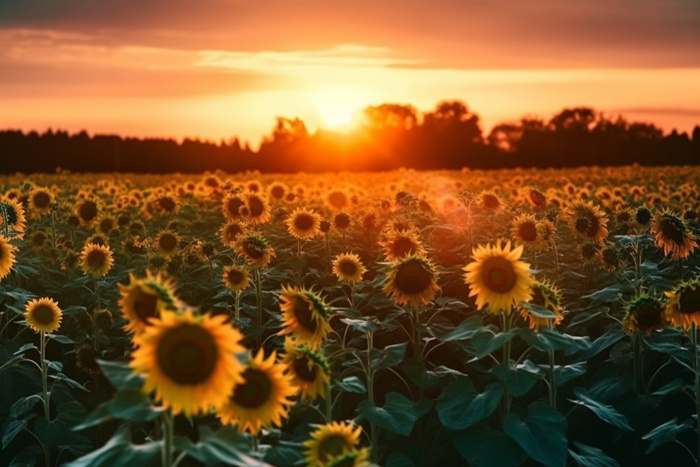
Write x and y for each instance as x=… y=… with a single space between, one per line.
x=406 y=318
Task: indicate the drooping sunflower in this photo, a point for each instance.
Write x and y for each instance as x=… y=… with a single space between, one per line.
x=258 y=208
x=412 y=279
x=304 y=315
x=7 y=257
x=331 y=441
x=12 y=219
x=145 y=299
x=359 y=458
x=236 y=278
x=672 y=235
x=188 y=360
x=348 y=268
x=400 y=243
x=547 y=296
x=87 y=211
x=303 y=223
x=96 y=260
x=489 y=201
x=232 y=205
x=255 y=249
x=524 y=230
x=498 y=278
x=43 y=314
x=536 y=199
x=308 y=368
x=588 y=221
x=40 y=201
x=645 y=313
x=683 y=305
x=167 y=242
x=262 y=398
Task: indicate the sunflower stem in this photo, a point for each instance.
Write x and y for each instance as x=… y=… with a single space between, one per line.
x=329 y=402
x=53 y=229
x=556 y=258
x=45 y=390
x=258 y=299
x=416 y=332
x=237 y=309
x=506 y=322
x=168 y=438
x=370 y=395
x=637 y=354
x=328 y=251
x=694 y=338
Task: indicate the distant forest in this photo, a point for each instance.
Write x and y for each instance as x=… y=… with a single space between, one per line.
x=390 y=136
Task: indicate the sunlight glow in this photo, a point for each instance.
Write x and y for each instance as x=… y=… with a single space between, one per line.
x=338 y=107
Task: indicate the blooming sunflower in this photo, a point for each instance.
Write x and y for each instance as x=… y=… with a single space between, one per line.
x=230 y=231
x=96 y=260
x=536 y=199
x=7 y=257
x=498 y=278
x=277 y=191
x=87 y=211
x=411 y=279
x=106 y=224
x=683 y=306
x=348 y=267
x=144 y=299
x=524 y=230
x=359 y=458
x=645 y=313
x=588 y=220
x=12 y=219
x=672 y=234
x=188 y=360
x=255 y=249
x=236 y=278
x=489 y=201
x=40 y=201
x=308 y=368
x=303 y=223
x=258 y=208
x=262 y=398
x=232 y=205
x=544 y=295
x=400 y=243
x=167 y=242
x=305 y=315
x=331 y=441
x=43 y=314
x=341 y=221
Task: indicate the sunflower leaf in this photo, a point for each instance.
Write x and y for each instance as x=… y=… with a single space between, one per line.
x=589 y=456
x=486 y=342
x=519 y=381
x=664 y=433
x=605 y=412
x=485 y=448
x=352 y=384
x=390 y=356
x=120 y=375
x=542 y=434
x=225 y=446
x=461 y=406
x=398 y=414
x=119 y=451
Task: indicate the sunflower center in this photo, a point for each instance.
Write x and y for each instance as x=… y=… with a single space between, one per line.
x=96 y=258
x=537 y=297
x=232 y=231
x=303 y=370
x=256 y=390
x=44 y=314
x=582 y=225
x=342 y=221
x=187 y=354
x=235 y=276
x=256 y=206
x=412 y=278
x=672 y=229
x=491 y=202
x=348 y=267
x=303 y=222
x=403 y=246
x=234 y=205
x=42 y=199
x=499 y=275
x=277 y=192
x=333 y=446
x=528 y=231
x=167 y=204
x=304 y=314
x=338 y=200
x=689 y=302
x=167 y=242
x=649 y=316
x=106 y=225
x=254 y=251
x=88 y=210
x=145 y=304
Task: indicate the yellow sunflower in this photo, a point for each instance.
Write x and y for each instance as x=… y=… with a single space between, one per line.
x=536 y=199
x=236 y=278
x=232 y=205
x=524 y=230
x=304 y=315
x=96 y=260
x=262 y=398
x=43 y=314
x=645 y=313
x=40 y=201
x=7 y=257
x=308 y=368
x=498 y=278
x=145 y=299
x=87 y=211
x=167 y=242
x=588 y=221
x=348 y=267
x=411 y=279
x=400 y=243
x=547 y=296
x=489 y=201
x=257 y=207
x=230 y=231
x=672 y=234
x=106 y=224
x=683 y=306
x=277 y=191
x=255 y=249
x=303 y=223
x=12 y=219
x=358 y=458
x=331 y=441
x=188 y=360
x=341 y=221
x=546 y=231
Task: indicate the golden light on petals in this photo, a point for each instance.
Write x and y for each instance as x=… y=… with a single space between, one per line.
x=304 y=315
x=348 y=268
x=412 y=279
x=303 y=223
x=144 y=299
x=96 y=260
x=7 y=257
x=672 y=235
x=43 y=314
x=683 y=305
x=308 y=368
x=331 y=441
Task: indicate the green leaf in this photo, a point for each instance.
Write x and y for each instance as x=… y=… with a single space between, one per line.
x=119 y=451
x=352 y=384
x=486 y=342
x=517 y=380
x=60 y=339
x=664 y=433
x=14 y=428
x=69 y=381
x=461 y=406
x=605 y=412
x=398 y=414
x=462 y=332
x=390 y=356
x=671 y=386
x=120 y=375
x=361 y=325
x=226 y=446
x=11 y=362
x=589 y=456
x=603 y=342
x=612 y=293
x=399 y=459
x=564 y=374
x=542 y=435
x=24 y=405
x=551 y=339
x=486 y=448
x=24 y=348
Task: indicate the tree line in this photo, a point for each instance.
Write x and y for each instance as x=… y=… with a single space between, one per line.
x=389 y=136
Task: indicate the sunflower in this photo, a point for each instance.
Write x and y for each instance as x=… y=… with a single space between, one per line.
x=536 y=199
x=96 y=260
x=672 y=234
x=258 y=208
x=489 y=201
x=683 y=306
x=188 y=360
x=348 y=267
x=166 y=204
x=230 y=231
x=305 y=315
x=7 y=257
x=498 y=277
x=262 y=398
x=411 y=279
x=232 y=205
x=43 y=314
x=12 y=219
x=544 y=295
x=40 y=201
x=303 y=223
x=167 y=242
x=145 y=299
x=236 y=278
x=358 y=458
x=337 y=200
x=400 y=243
x=588 y=220
x=106 y=224
x=277 y=191
x=642 y=216
x=331 y=441
x=87 y=211
x=525 y=229
x=546 y=231
x=255 y=249
x=309 y=369
x=645 y=313
x=341 y=221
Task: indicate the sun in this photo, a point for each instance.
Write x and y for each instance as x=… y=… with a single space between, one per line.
x=339 y=108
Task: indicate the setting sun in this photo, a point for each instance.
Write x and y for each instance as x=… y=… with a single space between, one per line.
x=338 y=107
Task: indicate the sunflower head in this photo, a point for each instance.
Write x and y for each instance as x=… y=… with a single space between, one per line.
x=43 y=315
x=331 y=441
x=87 y=211
x=359 y=458
x=230 y=232
x=257 y=208
x=588 y=221
x=536 y=199
x=144 y=299
x=303 y=223
x=167 y=242
x=304 y=315
x=683 y=305
x=400 y=243
x=645 y=313
x=412 y=279
x=236 y=278
x=188 y=360
x=544 y=295
x=672 y=235
x=348 y=268
x=308 y=368
x=341 y=221
x=96 y=260
x=12 y=219
x=642 y=216
x=7 y=256
x=498 y=278
x=489 y=201
x=255 y=249
x=525 y=229
x=40 y=201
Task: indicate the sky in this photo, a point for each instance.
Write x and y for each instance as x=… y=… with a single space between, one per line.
x=224 y=68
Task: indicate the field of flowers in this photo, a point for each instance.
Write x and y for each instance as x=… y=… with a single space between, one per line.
x=503 y=318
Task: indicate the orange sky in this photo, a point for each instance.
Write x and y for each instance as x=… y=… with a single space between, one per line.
x=222 y=68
